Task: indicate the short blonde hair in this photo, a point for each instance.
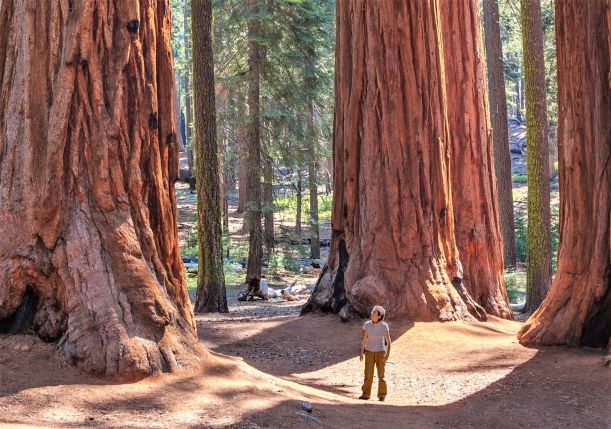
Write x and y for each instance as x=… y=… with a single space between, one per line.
x=380 y=310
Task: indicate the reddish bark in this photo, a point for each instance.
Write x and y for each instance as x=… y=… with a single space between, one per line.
x=474 y=192
x=393 y=230
x=577 y=309
x=89 y=252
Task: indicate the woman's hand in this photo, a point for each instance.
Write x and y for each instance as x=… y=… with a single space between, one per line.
x=361 y=354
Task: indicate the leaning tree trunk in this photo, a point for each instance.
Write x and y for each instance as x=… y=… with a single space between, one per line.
x=211 y=293
x=500 y=134
x=474 y=192
x=253 y=182
x=89 y=254
x=577 y=310
x=393 y=228
x=539 y=247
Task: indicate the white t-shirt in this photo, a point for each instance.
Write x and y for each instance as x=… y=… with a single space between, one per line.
x=375 y=336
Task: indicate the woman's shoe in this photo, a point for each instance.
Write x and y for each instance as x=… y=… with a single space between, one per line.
x=363 y=397
x=381 y=398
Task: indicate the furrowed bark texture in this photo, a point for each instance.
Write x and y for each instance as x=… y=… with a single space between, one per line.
x=500 y=135
x=577 y=310
x=89 y=252
x=188 y=91
x=474 y=192
x=211 y=293
x=539 y=246
x=393 y=230
x=253 y=180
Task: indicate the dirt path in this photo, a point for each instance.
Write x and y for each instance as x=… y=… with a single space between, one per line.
x=450 y=375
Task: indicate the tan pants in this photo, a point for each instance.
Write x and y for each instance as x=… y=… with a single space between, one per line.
x=374 y=359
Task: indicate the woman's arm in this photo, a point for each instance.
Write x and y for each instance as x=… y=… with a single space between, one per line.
x=387 y=336
x=363 y=343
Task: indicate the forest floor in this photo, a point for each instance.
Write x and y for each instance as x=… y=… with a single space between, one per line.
x=265 y=360
x=263 y=363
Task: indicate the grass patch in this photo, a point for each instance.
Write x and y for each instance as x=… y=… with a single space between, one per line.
x=519 y=178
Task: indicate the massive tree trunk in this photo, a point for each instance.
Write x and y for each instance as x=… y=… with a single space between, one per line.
x=476 y=211
x=500 y=134
x=89 y=252
x=577 y=310
x=539 y=248
x=253 y=182
x=188 y=100
x=211 y=293
x=393 y=229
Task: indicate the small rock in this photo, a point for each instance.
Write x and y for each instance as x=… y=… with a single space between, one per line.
x=607 y=361
x=306 y=406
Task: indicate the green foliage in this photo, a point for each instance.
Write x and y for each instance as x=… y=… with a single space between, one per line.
x=521 y=236
x=519 y=178
x=511 y=36
x=515 y=281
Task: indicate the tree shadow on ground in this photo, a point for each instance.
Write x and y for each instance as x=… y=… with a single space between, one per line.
x=26 y=362
x=304 y=344
x=557 y=388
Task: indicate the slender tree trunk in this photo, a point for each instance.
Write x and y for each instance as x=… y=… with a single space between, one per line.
x=500 y=135
x=89 y=254
x=313 y=186
x=211 y=293
x=242 y=137
x=474 y=191
x=539 y=249
x=188 y=101
x=268 y=203
x=393 y=229
x=299 y=204
x=253 y=183
x=577 y=310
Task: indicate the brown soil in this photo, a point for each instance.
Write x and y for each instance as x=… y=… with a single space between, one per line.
x=439 y=375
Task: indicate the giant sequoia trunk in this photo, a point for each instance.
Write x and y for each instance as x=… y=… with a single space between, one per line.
x=476 y=211
x=500 y=134
x=211 y=293
x=577 y=310
x=393 y=226
x=539 y=248
x=89 y=253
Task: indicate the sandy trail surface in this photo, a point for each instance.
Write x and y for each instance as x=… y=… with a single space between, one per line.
x=265 y=360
